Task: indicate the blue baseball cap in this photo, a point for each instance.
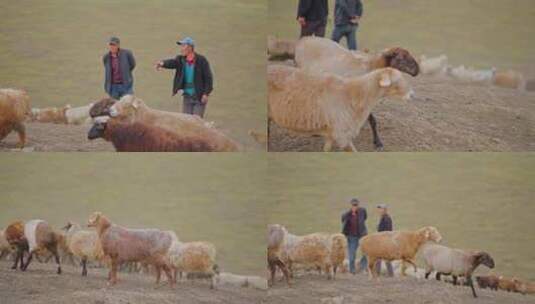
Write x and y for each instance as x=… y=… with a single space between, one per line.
x=186 y=41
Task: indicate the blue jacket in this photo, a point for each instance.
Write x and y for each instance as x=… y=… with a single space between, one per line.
x=385 y=224
x=127 y=63
x=362 y=216
x=345 y=10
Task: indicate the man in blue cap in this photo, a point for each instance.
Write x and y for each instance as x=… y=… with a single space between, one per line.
x=354 y=228
x=193 y=76
x=385 y=224
x=118 y=65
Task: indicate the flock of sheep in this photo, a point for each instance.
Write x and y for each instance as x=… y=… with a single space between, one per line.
x=331 y=91
x=327 y=252
x=129 y=124
x=112 y=245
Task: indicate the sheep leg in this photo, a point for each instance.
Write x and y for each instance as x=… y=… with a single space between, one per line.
x=84 y=267
x=113 y=272
x=21 y=130
x=350 y=148
x=28 y=261
x=272 y=271
x=328 y=272
x=471 y=283
x=371 y=267
x=328 y=146
x=19 y=257
x=213 y=281
x=167 y=271
x=454 y=280
x=334 y=271
x=376 y=140
x=54 y=251
x=438 y=276
x=158 y=274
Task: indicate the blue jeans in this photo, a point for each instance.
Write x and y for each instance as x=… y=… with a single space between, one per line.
x=352 y=246
x=349 y=31
x=119 y=90
x=388 y=267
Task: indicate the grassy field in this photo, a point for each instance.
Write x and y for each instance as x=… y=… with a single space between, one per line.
x=53 y=49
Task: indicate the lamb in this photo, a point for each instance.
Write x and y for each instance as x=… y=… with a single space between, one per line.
x=470 y=75
x=338 y=251
x=454 y=262
x=51 y=115
x=312 y=250
x=132 y=109
x=490 y=281
x=141 y=137
x=276 y=244
x=396 y=245
x=83 y=244
x=280 y=49
x=121 y=245
x=322 y=55
x=78 y=115
x=194 y=258
x=14 y=109
x=328 y=105
x=434 y=66
x=510 y=80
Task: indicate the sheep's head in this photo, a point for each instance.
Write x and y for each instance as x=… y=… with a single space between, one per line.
x=126 y=107
x=68 y=226
x=394 y=84
x=483 y=258
x=431 y=234
x=400 y=59
x=97 y=130
x=102 y=107
x=94 y=219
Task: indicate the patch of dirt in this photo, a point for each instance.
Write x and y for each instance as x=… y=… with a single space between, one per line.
x=40 y=284
x=348 y=289
x=445 y=115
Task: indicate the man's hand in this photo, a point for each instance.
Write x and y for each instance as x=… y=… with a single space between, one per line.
x=355 y=20
x=204 y=99
x=301 y=21
x=158 y=65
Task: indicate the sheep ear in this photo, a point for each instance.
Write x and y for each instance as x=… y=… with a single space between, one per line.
x=385 y=80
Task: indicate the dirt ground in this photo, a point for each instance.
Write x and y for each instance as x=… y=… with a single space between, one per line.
x=40 y=284
x=445 y=115
x=348 y=289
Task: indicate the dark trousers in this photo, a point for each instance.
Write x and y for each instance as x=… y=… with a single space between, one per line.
x=349 y=31
x=190 y=105
x=389 y=268
x=316 y=28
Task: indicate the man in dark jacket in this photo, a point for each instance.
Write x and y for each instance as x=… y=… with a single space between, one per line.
x=193 y=76
x=347 y=14
x=354 y=227
x=118 y=66
x=312 y=16
x=385 y=224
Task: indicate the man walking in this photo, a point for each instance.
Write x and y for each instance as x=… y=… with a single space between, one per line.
x=347 y=14
x=385 y=224
x=118 y=66
x=193 y=76
x=354 y=227
x=312 y=16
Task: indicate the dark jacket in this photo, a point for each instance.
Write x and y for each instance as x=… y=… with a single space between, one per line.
x=362 y=216
x=313 y=10
x=345 y=10
x=203 y=79
x=385 y=224
x=127 y=63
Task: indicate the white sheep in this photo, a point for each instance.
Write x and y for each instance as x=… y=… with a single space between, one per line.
x=83 y=244
x=396 y=245
x=464 y=74
x=327 y=105
x=78 y=115
x=338 y=251
x=194 y=258
x=454 y=262
x=434 y=65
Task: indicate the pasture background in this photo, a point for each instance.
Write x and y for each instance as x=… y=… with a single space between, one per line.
x=480 y=33
x=216 y=199
x=478 y=201
x=54 y=50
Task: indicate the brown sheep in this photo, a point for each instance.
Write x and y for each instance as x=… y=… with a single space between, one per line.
x=326 y=56
x=276 y=234
x=101 y=107
x=396 y=245
x=14 y=109
x=490 y=281
x=509 y=79
x=51 y=115
x=328 y=105
x=525 y=287
x=507 y=284
x=338 y=251
x=122 y=245
x=41 y=237
x=14 y=234
x=132 y=109
x=141 y=137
